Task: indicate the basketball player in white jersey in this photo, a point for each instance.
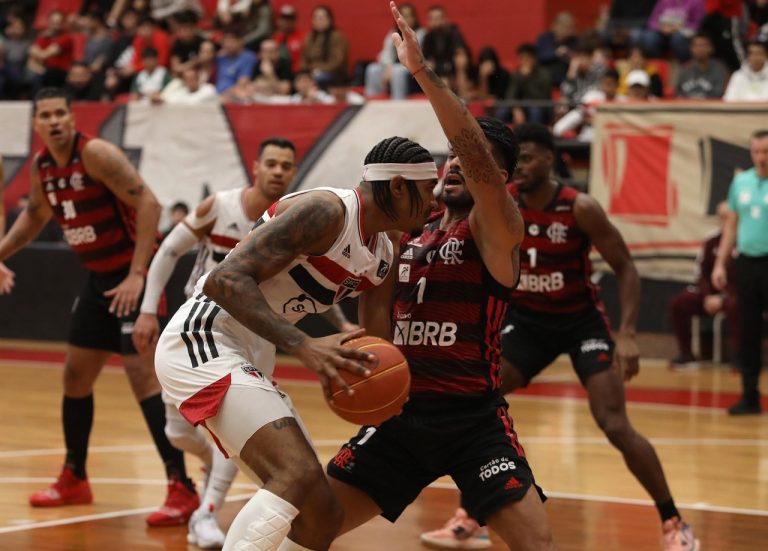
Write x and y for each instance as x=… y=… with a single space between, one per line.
x=216 y=356
x=218 y=224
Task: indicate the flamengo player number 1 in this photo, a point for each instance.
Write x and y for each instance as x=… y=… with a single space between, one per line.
x=532 y=256
x=422 y=285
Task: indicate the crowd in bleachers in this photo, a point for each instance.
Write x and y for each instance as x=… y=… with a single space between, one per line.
x=243 y=51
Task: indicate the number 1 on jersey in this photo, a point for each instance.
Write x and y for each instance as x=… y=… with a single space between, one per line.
x=422 y=285
x=532 y=257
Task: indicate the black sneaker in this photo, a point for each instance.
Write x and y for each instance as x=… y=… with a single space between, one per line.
x=745 y=407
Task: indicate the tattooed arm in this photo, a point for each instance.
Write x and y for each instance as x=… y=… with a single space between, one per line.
x=306 y=225
x=108 y=164
x=495 y=219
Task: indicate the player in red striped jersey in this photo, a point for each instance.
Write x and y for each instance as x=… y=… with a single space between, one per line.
x=109 y=217
x=556 y=310
x=453 y=287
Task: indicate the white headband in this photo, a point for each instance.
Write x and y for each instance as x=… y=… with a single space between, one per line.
x=410 y=171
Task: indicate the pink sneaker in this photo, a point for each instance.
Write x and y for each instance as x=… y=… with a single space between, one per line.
x=678 y=536
x=461 y=532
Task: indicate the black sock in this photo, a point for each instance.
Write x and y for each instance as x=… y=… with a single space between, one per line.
x=77 y=418
x=153 y=409
x=667 y=510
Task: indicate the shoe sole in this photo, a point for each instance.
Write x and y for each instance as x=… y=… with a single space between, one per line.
x=43 y=505
x=443 y=544
x=192 y=540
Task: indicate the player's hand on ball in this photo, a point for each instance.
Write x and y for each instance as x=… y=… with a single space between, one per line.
x=126 y=295
x=627 y=355
x=326 y=356
x=7 y=279
x=146 y=331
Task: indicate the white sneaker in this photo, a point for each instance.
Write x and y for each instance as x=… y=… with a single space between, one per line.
x=204 y=530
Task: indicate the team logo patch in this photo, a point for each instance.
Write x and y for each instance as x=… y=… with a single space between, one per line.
x=383 y=269
x=451 y=251
x=248 y=369
x=405 y=273
x=593 y=345
x=345 y=459
x=76 y=181
x=301 y=304
x=348 y=286
x=557 y=232
x=534 y=230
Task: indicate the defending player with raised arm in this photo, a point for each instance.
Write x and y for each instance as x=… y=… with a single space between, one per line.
x=452 y=292
x=215 y=358
x=109 y=217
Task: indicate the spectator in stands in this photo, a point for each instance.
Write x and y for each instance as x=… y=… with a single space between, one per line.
x=583 y=74
x=639 y=60
x=151 y=80
x=254 y=16
x=529 y=81
x=638 y=85
x=17 y=40
x=51 y=55
x=554 y=47
x=441 y=41
x=758 y=16
x=164 y=9
x=272 y=74
x=234 y=62
x=206 y=61
x=82 y=84
x=339 y=89
x=702 y=299
x=464 y=81
x=578 y=121
x=750 y=83
x=723 y=23
x=189 y=89
x=702 y=77
x=179 y=210
x=492 y=78
x=386 y=73
x=120 y=70
x=148 y=34
x=307 y=90
x=623 y=16
x=186 y=43
x=670 y=27
x=98 y=44
x=290 y=39
x=325 y=48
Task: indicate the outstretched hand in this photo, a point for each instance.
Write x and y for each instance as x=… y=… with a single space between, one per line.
x=408 y=49
x=7 y=278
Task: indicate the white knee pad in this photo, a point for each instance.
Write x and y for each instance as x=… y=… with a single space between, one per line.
x=262 y=524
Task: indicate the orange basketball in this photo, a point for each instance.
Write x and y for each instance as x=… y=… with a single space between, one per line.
x=378 y=396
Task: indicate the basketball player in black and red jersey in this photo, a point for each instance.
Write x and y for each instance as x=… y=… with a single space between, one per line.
x=450 y=301
x=556 y=310
x=109 y=218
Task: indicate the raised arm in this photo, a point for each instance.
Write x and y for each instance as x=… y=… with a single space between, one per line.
x=309 y=225
x=592 y=219
x=108 y=164
x=495 y=217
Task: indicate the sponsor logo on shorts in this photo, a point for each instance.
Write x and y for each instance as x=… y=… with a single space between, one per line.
x=496 y=467
x=512 y=484
x=345 y=459
x=592 y=345
x=126 y=328
x=248 y=369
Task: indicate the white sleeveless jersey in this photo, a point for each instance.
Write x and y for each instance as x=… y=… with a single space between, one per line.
x=231 y=226
x=312 y=284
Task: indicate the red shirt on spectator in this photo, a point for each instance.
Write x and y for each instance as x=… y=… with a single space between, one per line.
x=159 y=41
x=726 y=8
x=63 y=60
x=295 y=43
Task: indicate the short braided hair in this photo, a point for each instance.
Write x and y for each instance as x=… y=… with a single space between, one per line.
x=396 y=150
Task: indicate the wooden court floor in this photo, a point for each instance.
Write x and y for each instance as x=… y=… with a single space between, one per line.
x=717 y=466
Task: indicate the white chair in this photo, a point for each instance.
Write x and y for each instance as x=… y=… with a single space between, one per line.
x=717 y=337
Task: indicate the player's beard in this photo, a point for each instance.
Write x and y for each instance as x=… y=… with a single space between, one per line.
x=461 y=201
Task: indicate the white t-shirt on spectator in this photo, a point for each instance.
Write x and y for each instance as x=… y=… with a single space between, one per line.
x=178 y=94
x=748 y=85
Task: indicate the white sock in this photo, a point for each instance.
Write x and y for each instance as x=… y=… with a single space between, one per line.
x=220 y=478
x=289 y=545
x=262 y=524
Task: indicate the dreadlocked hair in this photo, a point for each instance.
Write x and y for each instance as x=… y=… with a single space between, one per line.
x=396 y=150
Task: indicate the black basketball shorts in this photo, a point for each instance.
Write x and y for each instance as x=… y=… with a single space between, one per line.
x=93 y=326
x=477 y=447
x=532 y=341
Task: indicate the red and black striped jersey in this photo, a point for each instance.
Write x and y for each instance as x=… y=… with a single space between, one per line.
x=555 y=269
x=97 y=225
x=448 y=313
